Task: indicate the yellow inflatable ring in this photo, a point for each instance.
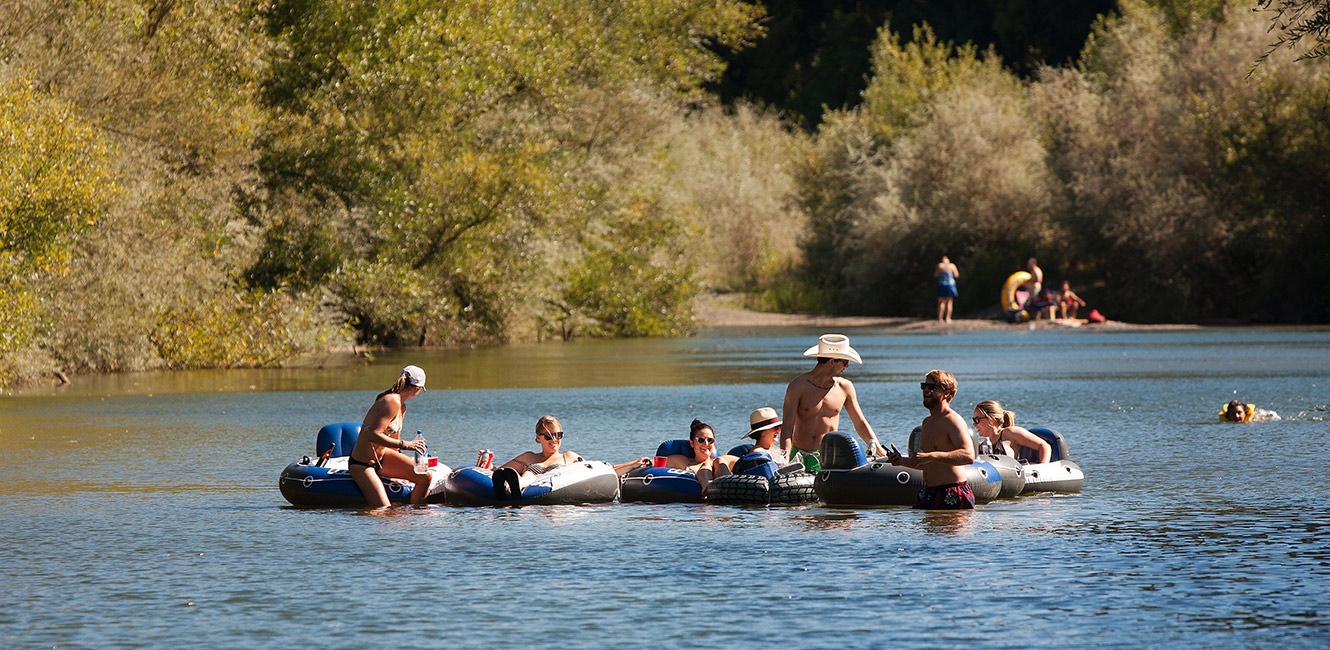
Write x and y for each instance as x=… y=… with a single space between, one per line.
x=1014 y=282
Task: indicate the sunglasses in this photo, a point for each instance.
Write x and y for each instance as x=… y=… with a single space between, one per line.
x=557 y=435
x=929 y=386
x=979 y=419
x=705 y=441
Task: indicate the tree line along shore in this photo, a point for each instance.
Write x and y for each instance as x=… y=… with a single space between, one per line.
x=195 y=184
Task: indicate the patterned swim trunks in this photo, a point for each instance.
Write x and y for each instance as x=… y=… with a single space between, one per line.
x=952 y=496
x=812 y=460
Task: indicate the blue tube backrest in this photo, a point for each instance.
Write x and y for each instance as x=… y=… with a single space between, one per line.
x=1054 y=440
x=841 y=451
x=739 y=450
x=756 y=463
x=341 y=435
x=682 y=447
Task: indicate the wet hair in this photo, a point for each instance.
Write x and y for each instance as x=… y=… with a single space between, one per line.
x=547 y=424
x=993 y=409
x=944 y=379
x=1231 y=410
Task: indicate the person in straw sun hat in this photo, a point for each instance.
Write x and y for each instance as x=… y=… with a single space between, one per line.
x=765 y=433
x=814 y=400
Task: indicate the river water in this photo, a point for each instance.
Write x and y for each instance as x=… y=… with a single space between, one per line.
x=143 y=510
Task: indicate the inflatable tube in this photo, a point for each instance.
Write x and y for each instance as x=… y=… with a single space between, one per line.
x=660 y=485
x=1011 y=471
x=879 y=483
x=304 y=483
x=588 y=481
x=761 y=481
x=1059 y=474
x=740 y=489
x=331 y=486
x=1011 y=300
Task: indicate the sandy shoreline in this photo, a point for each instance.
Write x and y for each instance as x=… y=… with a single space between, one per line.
x=715 y=312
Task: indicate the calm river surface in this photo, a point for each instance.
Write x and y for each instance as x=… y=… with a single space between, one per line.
x=143 y=510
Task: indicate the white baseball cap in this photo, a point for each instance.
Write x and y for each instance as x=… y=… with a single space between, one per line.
x=415 y=376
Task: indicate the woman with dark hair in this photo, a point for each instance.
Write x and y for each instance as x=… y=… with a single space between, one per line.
x=378 y=451
x=702 y=442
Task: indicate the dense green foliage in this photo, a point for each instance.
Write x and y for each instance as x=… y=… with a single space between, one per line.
x=1153 y=174
x=200 y=184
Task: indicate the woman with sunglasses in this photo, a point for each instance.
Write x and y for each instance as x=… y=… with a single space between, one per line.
x=702 y=442
x=998 y=427
x=512 y=476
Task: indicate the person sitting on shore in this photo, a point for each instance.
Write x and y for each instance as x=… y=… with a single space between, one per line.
x=997 y=427
x=1068 y=301
x=514 y=475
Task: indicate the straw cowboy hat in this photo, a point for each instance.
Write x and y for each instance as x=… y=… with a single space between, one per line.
x=834 y=346
x=761 y=420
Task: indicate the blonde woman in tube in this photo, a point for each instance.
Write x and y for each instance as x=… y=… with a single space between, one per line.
x=378 y=451
x=998 y=427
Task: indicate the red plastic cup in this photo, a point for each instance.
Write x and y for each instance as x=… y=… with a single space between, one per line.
x=433 y=461
x=658 y=461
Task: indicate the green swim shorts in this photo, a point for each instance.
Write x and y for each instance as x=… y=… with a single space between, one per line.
x=812 y=460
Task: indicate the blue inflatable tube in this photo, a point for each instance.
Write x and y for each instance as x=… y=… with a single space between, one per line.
x=660 y=485
x=304 y=483
x=663 y=484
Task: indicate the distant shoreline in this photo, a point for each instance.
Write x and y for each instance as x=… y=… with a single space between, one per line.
x=713 y=312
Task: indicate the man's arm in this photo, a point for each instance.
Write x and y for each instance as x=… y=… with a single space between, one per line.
x=861 y=425
x=789 y=414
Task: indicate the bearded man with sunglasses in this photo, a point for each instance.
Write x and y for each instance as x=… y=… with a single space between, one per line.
x=945 y=448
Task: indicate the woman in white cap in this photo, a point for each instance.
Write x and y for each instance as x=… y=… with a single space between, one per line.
x=378 y=451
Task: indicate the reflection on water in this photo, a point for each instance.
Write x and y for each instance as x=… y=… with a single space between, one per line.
x=142 y=510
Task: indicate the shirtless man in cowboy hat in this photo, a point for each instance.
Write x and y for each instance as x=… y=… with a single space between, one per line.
x=814 y=400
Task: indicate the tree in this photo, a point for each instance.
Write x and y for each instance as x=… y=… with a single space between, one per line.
x=1298 y=25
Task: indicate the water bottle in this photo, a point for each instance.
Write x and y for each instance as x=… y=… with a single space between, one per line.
x=422 y=457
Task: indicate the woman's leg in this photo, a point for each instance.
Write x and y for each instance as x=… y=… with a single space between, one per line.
x=368 y=481
x=397 y=465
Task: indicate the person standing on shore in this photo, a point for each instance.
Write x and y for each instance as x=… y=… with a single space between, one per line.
x=945 y=448
x=946 y=274
x=1036 y=281
x=814 y=400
